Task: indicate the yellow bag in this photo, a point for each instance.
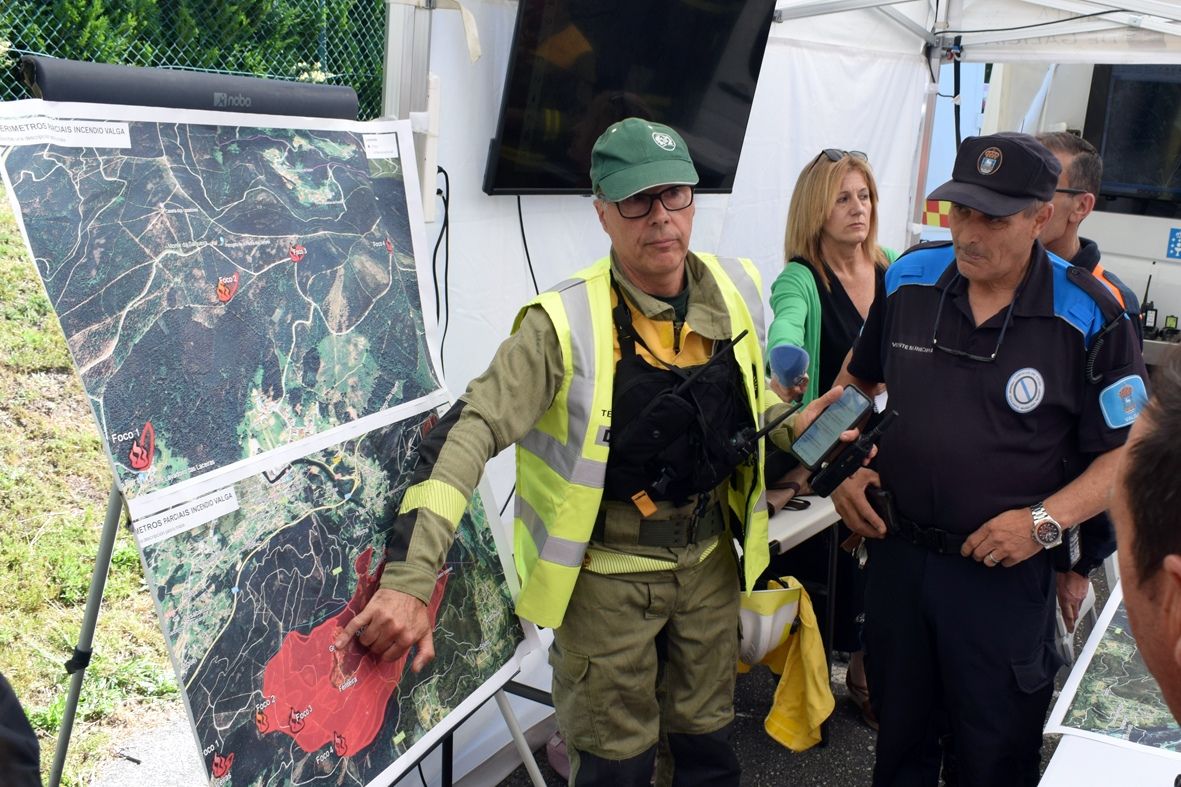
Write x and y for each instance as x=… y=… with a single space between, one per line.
x=803 y=698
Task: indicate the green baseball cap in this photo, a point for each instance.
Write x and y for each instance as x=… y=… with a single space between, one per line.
x=634 y=154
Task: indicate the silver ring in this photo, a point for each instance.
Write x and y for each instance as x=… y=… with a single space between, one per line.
x=992 y=557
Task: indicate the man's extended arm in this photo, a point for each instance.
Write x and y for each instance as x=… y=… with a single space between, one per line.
x=499 y=408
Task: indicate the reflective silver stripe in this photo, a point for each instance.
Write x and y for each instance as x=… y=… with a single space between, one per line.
x=567 y=460
x=762 y=501
x=552 y=549
x=581 y=471
x=749 y=291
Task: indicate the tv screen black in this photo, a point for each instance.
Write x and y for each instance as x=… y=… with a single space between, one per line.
x=1134 y=120
x=577 y=66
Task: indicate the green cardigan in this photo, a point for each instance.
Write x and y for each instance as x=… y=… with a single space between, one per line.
x=795 y=303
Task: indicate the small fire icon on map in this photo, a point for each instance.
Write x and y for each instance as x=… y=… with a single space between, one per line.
x=140 y=455
x=389 y=245
x=226 y=287
x=338 y=743
x=260 y=721
x=297 y=252
x=222 y=764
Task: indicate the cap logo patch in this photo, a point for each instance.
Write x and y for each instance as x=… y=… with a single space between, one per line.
x=989 y=161
x=664 y=140
x=1025 y=390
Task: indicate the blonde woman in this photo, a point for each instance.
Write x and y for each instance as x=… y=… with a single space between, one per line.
x=834 y=267
x=834 y=264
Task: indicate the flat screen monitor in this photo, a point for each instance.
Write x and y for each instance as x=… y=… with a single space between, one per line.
x=577 y=66
x=1134 y=120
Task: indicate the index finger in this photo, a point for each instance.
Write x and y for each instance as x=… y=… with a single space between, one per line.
x=351 y=628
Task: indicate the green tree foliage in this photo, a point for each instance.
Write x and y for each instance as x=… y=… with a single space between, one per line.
x=335 y=41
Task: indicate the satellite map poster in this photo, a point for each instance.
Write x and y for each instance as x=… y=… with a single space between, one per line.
x=1110 y=696
x=240 y=297
x=229 y=285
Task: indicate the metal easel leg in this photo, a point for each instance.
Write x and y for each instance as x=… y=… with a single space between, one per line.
x=77 y=664
x=514 y=728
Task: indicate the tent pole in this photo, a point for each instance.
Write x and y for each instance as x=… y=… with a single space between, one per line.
x=926 y=133
x=77 y=664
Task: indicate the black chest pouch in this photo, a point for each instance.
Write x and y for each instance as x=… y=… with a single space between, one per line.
x=676 y=432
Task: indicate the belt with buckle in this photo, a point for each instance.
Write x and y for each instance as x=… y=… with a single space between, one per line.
x=934 y=539
x=673 y=532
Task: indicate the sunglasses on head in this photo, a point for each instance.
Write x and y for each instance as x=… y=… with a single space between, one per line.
x=836 y=154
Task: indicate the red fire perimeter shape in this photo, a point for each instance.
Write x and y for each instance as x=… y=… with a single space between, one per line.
x=140 y=455
x=389 y=245
x=226 y=287
x=222 y=764
x=297 y=251
x=324 y=696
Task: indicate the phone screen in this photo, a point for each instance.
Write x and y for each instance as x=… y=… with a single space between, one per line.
x=819 y=438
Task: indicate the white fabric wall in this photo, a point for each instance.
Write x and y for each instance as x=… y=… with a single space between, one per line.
x=812 y=97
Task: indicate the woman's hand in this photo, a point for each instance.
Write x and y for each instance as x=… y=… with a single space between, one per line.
x=792 y=394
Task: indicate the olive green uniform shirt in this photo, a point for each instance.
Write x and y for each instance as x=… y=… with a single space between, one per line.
x=503 y=404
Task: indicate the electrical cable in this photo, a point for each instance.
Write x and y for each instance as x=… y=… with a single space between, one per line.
x=525 y=244
x=504 y=507
x=445 y=239
x=1038 y=24
x=536 y=291
x=955 y=108
x=442 y=228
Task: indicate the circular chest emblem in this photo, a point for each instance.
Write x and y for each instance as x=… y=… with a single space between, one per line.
x=989 y=161
x=1025 y=390
x=664 y=140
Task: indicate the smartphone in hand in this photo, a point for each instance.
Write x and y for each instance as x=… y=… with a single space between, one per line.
x=822 y=437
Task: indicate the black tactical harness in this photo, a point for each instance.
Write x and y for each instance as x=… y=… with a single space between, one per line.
x=676 y=432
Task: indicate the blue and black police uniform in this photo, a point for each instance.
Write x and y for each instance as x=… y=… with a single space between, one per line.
x=952 y=645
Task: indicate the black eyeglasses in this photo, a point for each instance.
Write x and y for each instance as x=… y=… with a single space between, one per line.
x=836 y=154
x=637 y=206
x=1071 y=191
x=961 y=353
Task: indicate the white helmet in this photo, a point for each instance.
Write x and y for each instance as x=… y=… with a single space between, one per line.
x=766 y=618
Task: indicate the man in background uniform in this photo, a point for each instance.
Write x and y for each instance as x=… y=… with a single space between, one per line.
x=624 y=551
x=1014 y=389
x=1074 y=199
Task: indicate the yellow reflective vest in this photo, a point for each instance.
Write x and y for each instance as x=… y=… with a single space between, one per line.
x=562 y=462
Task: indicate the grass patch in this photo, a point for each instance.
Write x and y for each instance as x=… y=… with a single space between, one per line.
x=54 y=481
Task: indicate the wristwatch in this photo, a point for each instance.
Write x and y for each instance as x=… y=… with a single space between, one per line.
x=1046 y=530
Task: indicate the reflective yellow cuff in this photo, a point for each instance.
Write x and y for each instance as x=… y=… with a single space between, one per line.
x=436 y=497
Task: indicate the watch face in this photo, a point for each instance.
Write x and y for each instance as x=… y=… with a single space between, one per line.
x=1048 y=531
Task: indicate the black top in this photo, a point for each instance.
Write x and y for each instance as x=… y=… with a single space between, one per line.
x=840 y=322
x=975 y=439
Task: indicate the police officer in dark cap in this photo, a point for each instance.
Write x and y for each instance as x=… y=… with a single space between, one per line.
x=1016 y=379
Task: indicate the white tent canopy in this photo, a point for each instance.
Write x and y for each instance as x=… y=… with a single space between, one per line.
x=995 y=31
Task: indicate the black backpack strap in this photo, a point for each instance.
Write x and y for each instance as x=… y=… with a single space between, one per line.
x=622 y=316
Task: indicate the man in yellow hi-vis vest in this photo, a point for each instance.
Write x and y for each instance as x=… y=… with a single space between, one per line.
x=632 y=390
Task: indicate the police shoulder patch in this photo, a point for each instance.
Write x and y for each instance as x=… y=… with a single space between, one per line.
x=1122 y=401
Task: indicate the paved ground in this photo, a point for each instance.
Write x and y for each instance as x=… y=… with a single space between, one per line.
x=848 y=759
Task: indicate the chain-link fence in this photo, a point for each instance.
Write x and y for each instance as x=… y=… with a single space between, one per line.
x=338 y=42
